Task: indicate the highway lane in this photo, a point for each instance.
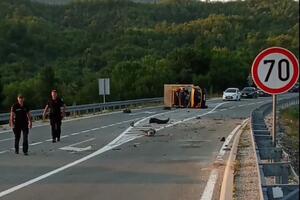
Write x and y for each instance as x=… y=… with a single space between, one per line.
x=132 y=170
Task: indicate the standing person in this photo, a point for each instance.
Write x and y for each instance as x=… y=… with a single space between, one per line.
x=20 y=121
x=55 y=115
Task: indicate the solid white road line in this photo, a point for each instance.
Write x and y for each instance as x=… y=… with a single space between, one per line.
x=210 y=186
x=121 y=139
x=209 y=189
x=227 y=141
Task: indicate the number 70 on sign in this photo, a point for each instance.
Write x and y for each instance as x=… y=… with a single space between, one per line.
x=275 y=70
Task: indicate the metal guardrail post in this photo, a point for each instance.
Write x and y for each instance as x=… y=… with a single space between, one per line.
x=87 y=108
x=272 y=160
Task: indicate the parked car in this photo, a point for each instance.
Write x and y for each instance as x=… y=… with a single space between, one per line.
x=249 y=92
x=262 y=93
x=232 y=94
x=295 y=88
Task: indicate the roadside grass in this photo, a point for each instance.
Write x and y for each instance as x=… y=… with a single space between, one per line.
x=289 y=121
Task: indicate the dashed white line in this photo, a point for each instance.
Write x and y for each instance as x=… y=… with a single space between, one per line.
x=121 y=139
x=77 y=133
x=33 y=144
x=91 y=139
x=7 y=139
x=1 y=152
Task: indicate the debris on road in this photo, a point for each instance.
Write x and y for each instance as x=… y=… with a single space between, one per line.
x=126 y=110
x=150 y=133
x=158 y=121
x=222 y=139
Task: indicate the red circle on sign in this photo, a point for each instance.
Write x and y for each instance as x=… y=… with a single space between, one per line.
x=267 y=52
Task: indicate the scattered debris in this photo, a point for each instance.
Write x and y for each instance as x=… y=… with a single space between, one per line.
x=158 y=121
x=227 y=149
x=126 y=110
x=198 y=117
x=116 y=149
x=132 y=124
x=136 y=144
x=167 y=108
x=150 y=133
x=222 y=139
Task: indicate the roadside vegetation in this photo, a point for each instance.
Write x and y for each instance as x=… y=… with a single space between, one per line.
x=289 y=120
x=139 y=46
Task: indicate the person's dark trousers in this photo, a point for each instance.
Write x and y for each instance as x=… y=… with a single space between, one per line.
x=17 y=132
x=55 y=128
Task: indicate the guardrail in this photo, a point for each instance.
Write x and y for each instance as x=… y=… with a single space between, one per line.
x=277 y=177
x=91 y=108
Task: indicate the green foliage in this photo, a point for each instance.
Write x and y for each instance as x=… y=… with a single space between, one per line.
x=139 y=46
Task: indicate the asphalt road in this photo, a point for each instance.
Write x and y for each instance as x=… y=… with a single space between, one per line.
x=103 y=157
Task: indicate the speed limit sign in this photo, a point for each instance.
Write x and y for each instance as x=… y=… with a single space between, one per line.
x=275 y=70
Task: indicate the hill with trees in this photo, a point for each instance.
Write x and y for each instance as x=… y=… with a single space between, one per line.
x=139 y=46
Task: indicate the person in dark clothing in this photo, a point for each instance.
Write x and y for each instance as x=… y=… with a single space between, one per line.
x=55 y=114
x=181 y=98
x=203 y=102
x=20 y=121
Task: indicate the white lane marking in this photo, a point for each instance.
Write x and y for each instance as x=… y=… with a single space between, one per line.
x=76 y=149
x=91 y=139
x=121 y=139
x=227 y=141
x=64 y=136
x=116 y=142
x=241 y=105
x=87 y=117
x=146 y=112
x=1 y=152
x=48 y=140
x=77 y=133
x=209 y=189
x=191 y=118
x=232 y=107
x=210 y=185
x=251 y=104
x=7 y=139
x=32 y=144
x=103 y=114
x=223 y=109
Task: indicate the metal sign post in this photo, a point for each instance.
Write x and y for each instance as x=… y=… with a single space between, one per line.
x=274 y=120
x=104 y=87
x=275 y=71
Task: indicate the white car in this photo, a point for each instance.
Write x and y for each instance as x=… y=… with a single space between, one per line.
x=232 y=94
